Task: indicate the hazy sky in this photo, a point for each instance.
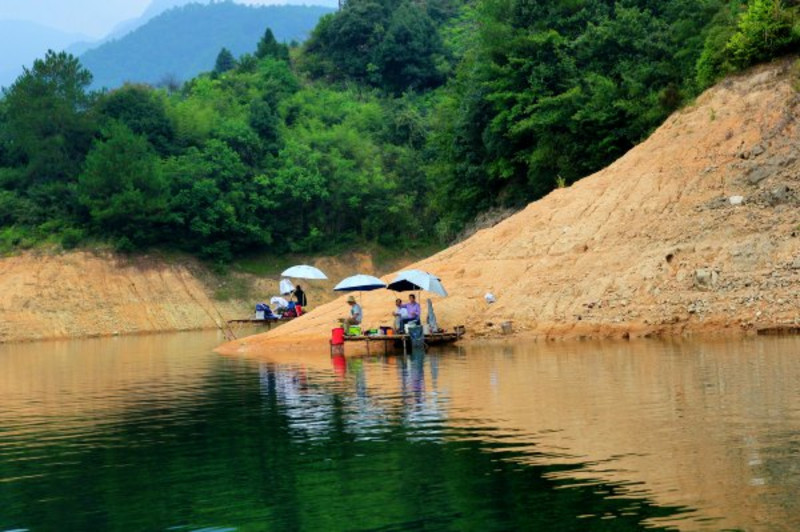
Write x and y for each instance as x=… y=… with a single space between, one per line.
x=94 y=18
x=91 y=17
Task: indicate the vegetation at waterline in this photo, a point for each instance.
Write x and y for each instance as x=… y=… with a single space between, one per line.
x=395 y=123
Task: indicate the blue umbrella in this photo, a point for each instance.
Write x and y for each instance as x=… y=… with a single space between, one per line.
x=359 y=283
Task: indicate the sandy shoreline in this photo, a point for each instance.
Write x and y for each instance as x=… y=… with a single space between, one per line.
x=304 y=344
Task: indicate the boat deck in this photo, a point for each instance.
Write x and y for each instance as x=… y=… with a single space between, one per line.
x=267 y=322
x=395 y=341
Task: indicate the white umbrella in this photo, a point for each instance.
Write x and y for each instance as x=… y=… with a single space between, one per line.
x=286 y=287
x=409 y=280
x=359 y=283
x=304 y=271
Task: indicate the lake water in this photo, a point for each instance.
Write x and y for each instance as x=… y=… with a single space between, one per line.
x=161 y=433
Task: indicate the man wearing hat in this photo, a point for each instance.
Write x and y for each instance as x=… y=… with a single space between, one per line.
x=356 y=315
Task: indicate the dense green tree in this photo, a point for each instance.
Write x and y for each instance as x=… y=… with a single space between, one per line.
x=276 y=81
x=248 y=63
x=556 y=90
x=48 y=121
x=342 y=45
x=224 y=62
x=143 y=110
x=768 y=28
x=391 y=44
x=714 y=60
x=45 y=114
x=244 y=141
x=410 y=51
x=216 y=205
x=122 y=186
x=266 y=123
x=13 y=208
x=268 y=46
x=341 y=182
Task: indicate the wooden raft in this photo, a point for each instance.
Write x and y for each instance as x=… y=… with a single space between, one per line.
x=404 y=340
x=267 y=322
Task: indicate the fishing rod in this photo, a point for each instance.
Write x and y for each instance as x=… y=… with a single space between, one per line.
x=229 y=334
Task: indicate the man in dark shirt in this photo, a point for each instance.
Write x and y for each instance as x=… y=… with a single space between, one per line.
x=300 y=296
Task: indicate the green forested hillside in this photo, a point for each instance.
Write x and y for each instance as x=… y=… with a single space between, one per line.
x=396 y=122
x=183 y=42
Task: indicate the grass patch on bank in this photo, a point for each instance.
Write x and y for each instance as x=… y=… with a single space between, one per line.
x=385 y=258
x=266 y=264
x=233 y=287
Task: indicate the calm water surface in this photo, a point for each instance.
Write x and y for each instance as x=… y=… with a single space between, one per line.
x=160 y=433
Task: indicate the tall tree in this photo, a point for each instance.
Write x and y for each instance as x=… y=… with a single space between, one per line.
x=268 y=46
x=342 y=45
x=122 y=186
x=143 y=110
x=47 y=116
x=409 y=51
x=225 y=62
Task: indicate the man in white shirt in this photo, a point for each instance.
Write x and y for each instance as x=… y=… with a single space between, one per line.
x=400 y=313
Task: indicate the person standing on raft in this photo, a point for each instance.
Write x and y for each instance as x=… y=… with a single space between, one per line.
x=300 y=296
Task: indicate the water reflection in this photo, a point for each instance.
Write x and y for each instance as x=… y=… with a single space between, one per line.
x=711 y=426
x=159 y=433
x=395 y=441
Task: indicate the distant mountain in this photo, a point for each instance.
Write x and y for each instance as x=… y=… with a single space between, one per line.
x=21 y=42
x=184 y=41
x=155 y=8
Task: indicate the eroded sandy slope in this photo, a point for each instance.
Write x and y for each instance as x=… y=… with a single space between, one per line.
x=697 y=229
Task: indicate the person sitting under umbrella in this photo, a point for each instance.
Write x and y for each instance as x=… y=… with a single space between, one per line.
x=356 y=314
x=400 y=312
x=412 y=312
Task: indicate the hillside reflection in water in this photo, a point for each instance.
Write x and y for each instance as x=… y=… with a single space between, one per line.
x=159 y=432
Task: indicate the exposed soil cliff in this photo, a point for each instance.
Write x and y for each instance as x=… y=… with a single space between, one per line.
x=696 y=229
x=45 y=296
x=50 y=295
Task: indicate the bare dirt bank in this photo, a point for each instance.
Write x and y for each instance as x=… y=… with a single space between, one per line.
x=696 y=230
x=48 y=296
x=78 y=294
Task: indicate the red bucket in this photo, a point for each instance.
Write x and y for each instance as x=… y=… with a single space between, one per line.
x=337 y=336
x=298 y=309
